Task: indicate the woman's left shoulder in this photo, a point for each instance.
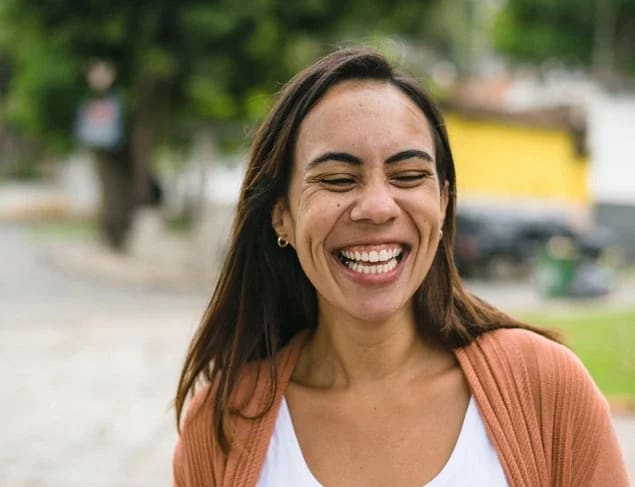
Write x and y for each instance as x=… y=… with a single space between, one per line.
x=520 y=374
x=519 y=340
x=521 y=377
x=524 y=345
x=537 y=362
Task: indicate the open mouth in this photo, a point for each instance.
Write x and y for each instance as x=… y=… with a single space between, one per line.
x=372 y=261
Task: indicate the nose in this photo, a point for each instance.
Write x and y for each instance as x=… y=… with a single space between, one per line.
x=375 y=204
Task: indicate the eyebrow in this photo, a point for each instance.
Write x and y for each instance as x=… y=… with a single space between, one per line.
x=351 y=159
x=335 y=156
x=409 y=154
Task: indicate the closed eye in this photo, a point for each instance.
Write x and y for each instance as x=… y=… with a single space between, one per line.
x=409 y=178
x=338 y=182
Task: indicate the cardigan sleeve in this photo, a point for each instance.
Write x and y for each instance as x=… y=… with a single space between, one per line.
x=546 y=417
x=609 y=466
x=178 y=474
x=575 y=417
x=588 y=450
x=198 y=461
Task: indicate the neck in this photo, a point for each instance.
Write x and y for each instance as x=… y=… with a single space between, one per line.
x=346 y=352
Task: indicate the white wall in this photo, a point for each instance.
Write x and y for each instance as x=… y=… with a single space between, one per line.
x=612 y=144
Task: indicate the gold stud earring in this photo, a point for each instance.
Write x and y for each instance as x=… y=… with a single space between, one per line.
x=282 y=242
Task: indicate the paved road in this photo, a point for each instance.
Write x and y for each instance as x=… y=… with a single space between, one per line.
x=88 y=372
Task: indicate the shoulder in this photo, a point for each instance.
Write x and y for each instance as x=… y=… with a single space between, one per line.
x=544 y=385
x=200 y=409
x=513 y=362
x=516 y=340
x=534 y=391
x=522 y=368
x=525 y=354
x=196 y=455
x=253 y=380
x=259 y=386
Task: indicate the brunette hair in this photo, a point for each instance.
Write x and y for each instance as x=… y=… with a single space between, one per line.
x=263 y=298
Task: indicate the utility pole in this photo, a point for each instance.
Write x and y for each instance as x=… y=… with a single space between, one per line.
x=603 y=62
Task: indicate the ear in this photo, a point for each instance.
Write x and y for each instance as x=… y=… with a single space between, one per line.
x=281 y=220
x=445 y=197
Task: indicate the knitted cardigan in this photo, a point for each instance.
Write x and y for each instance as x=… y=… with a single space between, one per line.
x=547 y=420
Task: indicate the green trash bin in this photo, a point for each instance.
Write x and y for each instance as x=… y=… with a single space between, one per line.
x=557 y=267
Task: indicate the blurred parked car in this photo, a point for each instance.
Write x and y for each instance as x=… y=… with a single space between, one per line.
x=500 y=243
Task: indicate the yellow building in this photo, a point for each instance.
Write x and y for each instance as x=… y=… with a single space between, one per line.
x=538 y=156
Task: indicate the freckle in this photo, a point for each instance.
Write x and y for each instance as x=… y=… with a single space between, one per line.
x=338 y=205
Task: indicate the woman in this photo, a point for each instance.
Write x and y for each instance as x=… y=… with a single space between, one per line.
x=340 y=347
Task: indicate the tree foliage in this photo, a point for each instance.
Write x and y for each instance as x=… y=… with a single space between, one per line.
x=179 y=64
x=584 y=33
x=193 y=61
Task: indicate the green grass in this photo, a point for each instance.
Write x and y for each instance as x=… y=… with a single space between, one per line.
x=62 y=230
x=605 y=342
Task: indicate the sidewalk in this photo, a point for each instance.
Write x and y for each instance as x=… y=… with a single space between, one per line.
x=89 y=370
x=156 y=257
x=28 y=201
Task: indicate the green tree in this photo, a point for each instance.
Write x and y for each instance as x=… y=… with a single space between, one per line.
x=178 y=64
x=597 y=34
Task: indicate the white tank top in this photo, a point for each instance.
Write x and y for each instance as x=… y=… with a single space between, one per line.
x=473 y=460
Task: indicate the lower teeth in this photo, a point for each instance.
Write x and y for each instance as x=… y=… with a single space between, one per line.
x=373 y=269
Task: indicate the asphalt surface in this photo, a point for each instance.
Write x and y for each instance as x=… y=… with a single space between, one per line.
x=89 y=369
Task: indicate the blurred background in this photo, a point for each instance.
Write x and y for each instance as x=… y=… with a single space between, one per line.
x=124 y=128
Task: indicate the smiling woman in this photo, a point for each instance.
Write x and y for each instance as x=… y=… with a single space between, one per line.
x=340 y=347
x=369 y=188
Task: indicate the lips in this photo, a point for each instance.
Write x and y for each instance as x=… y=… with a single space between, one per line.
x=373 y=259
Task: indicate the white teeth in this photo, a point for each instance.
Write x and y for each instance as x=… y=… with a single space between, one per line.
x=372 y=262
x=373 y=269
x=373 y=256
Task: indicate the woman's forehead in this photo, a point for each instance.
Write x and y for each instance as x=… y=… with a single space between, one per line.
x=363 y=94
x=367 y=112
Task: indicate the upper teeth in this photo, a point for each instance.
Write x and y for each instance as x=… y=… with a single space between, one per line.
x=372 y=256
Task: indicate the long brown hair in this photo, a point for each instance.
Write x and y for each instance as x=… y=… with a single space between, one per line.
x=263 y=298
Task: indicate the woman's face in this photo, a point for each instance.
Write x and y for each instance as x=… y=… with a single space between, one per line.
x=365 y=206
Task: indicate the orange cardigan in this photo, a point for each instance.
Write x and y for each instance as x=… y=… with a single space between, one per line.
x=546 y=418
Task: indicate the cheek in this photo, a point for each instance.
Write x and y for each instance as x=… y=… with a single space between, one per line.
x=425 y=212
x=317 y=217
x=315 y=224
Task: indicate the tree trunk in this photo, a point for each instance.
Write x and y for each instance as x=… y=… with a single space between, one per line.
x=604 y=40
x=114 y=173
x=142 y=139
x=125 y=175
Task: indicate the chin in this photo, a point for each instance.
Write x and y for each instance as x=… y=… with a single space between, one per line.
x=373 y=313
